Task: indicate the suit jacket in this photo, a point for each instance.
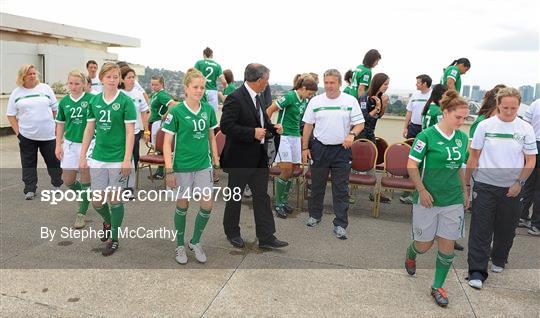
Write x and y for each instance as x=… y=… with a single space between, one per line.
x=238 y=122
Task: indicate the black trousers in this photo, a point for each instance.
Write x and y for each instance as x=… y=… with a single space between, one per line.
x=494 y=217
x=257 y=179
x=136 y=148
x=335 y=160
x=413 y=130
x=29 y=149
x=531 y=194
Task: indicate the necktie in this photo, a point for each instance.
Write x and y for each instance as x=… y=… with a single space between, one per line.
x=258 y=105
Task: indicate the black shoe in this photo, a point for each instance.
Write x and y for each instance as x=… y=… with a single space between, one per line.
x=440 y=296
x=384 y=199
x=274 y=243
x=110 y=248
x=106 y=232
x=280 y=212
x=130 y=194
x=237 y=241
x=458 y=246
x=289 y=209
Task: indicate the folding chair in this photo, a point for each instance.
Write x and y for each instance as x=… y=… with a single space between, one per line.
x=364 y=160
x=395 y=175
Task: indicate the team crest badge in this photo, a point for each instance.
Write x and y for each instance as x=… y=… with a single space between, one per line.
x=458 y=143
x=84 y=104
x=519 y=137
x=116 y=106
x=204 y=116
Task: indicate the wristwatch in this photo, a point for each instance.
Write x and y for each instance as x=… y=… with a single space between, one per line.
x=521 y=182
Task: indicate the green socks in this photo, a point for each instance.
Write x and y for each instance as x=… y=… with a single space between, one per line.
x=412 y=252
x=442 y=265
x=104 y=212
x=286 y=193
x=281 y=188
x=160 y=170
x=117 y=215
x=81 y=188
x=200 y=224
x=180 y=225
x=83 y=206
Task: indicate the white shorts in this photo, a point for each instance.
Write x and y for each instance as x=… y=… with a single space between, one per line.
x=290 y=149
x=90 y=150
x=72 y=154
x=442 y=221
x=212 y=98
x=198 y=181
x=107 y=174
x=155 y=126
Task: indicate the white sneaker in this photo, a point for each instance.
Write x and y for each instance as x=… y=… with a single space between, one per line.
x=496 y=269
x=181 y=256
x=57 y=189
x=79 y=221
x=340 y=232
x=475 y=283
x=199 y=253
x=311 y=221
x=29 y=195
x=534 y=231
x=406 y=200
x=247 y=192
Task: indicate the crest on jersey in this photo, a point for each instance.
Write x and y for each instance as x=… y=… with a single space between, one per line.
x=519 y=137
x=366 y=77
x=204 y=116
x=419 y=146
x=344 y=108
x=116 y=106
x=84 y=104
x=458 y=143
x=453 y=72
x=281 y=100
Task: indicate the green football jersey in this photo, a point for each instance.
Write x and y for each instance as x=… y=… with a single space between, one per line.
x=361 y=76
x=192 y=147
x=291 y=111
x=440 y=158
x=110 y=128
x=349 y=90
x=432 y=117
x=453 y=73
x=229 y=89
x=158 y=105
x=73 y=114
x=211 y=71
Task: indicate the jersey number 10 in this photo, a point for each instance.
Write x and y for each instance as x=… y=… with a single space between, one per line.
x=199 y=125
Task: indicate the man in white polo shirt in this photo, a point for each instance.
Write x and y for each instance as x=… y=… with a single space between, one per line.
x=531 y=191
x=92 y=68
x=413 y=118
x=332 y=114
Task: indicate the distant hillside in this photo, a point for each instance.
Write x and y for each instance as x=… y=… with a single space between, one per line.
x=175 y=87
x=173 y=81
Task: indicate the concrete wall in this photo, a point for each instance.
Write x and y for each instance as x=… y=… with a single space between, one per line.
x=54 y=61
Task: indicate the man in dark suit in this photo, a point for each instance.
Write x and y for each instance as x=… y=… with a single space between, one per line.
x=245 y=158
